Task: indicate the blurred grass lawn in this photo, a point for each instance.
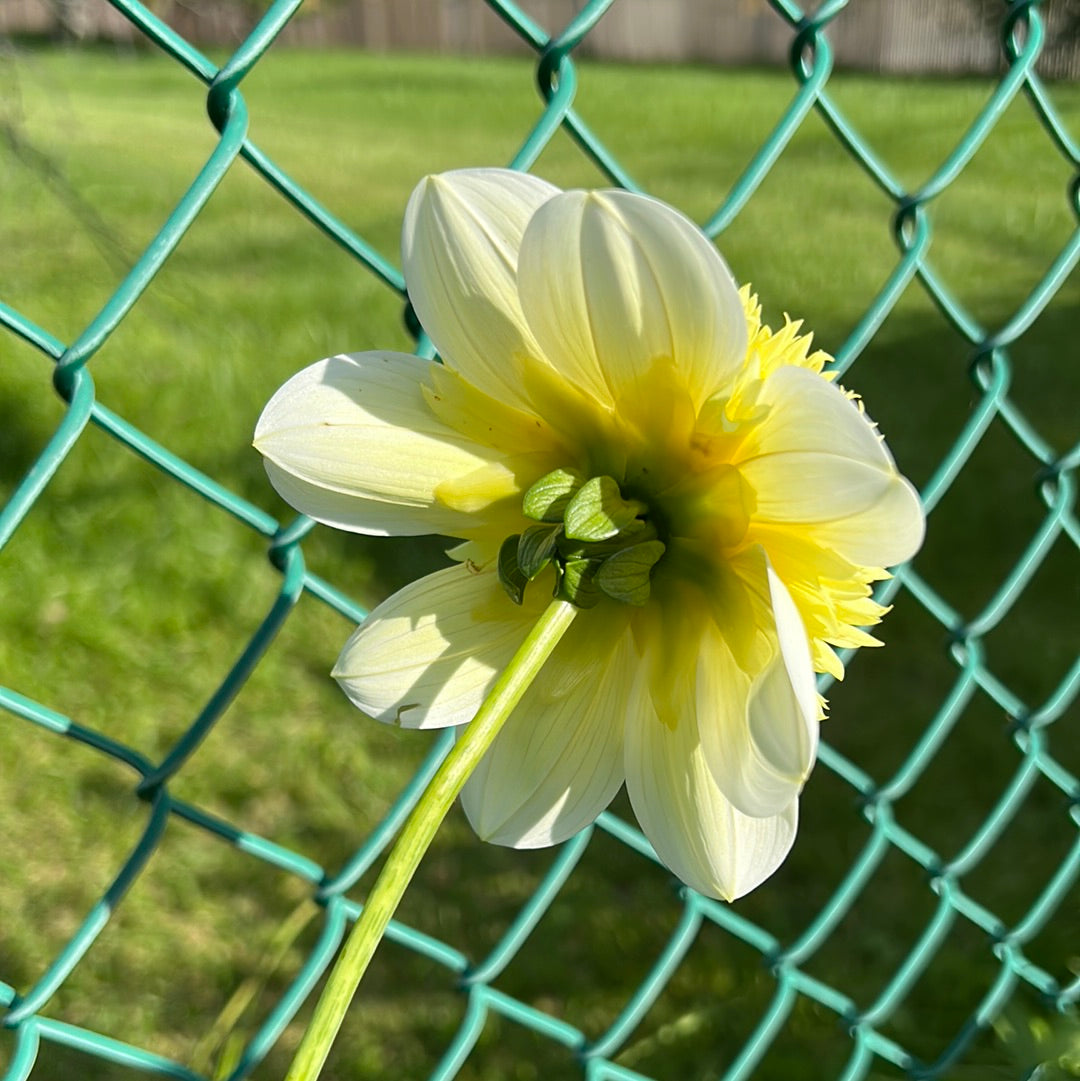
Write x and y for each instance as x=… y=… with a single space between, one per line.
x=124 y=598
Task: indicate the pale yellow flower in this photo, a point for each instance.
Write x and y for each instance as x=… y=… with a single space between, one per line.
x=600 y=334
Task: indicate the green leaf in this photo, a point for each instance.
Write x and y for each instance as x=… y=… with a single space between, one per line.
x=511 y=576
x=536 y=548
x=546 y=500
x=577 y=585
x=625 y=576
x=598 y=511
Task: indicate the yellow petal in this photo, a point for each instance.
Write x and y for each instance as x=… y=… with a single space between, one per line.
x=351 y=442
x=487 y=420
x=460 y=244
x=503 y=482
x=831 y=594
x=667 y=633
x=427 y=656
x=784 y=347
x=613 y=284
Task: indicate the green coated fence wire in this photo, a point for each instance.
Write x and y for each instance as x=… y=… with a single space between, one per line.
x=790 y=962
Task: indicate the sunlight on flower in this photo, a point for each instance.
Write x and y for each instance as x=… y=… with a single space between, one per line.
x=614 y=424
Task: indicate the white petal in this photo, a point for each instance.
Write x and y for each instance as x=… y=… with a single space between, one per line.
x=615 y=284
x=694 y=828
x=351 y=442
x=747 y=774
x=885 y=534
x=751 y=689
x=816 y=462
x=460 y=244
x=784 y=717
x=558 y=761
x=427 y=656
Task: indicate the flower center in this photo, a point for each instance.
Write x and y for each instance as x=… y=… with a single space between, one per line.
x=599 y=543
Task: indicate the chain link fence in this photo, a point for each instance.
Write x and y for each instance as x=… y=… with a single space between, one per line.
x=1012 y=968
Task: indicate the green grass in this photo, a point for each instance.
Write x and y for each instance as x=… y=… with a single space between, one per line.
x=124 y=598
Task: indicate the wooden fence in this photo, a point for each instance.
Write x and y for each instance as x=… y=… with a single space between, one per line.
x=895 y=36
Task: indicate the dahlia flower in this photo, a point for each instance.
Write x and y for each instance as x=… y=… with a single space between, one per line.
x=612 y=424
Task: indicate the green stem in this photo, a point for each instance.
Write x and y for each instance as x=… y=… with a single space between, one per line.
x=417 y=835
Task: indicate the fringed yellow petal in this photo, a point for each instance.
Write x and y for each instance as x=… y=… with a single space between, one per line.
x=775 y=349
x=832 y=595
x=826 y=660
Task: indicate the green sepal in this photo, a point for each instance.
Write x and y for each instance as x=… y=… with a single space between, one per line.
x=625 y=575
x=576 y=583
x=598 y=511
x=546 y=500
x=511 y=576
x=536 y=547
x=634 y=532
